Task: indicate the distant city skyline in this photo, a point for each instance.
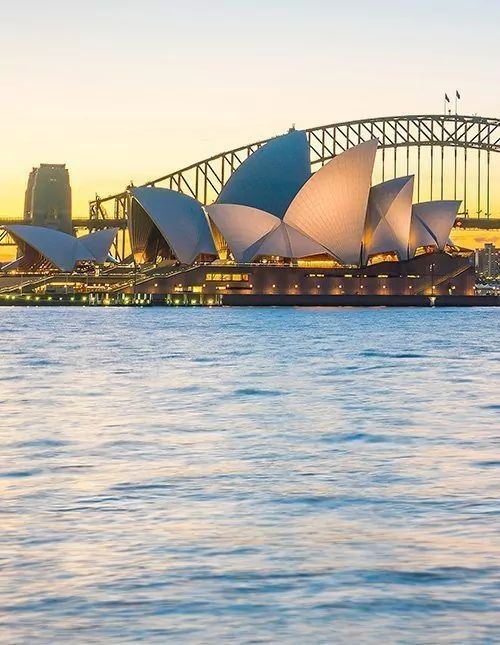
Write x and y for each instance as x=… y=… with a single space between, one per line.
x=122 y=91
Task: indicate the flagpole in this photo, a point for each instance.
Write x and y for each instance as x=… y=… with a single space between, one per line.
x=446 y=100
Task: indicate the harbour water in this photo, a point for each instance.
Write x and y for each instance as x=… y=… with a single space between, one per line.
x=203 y=476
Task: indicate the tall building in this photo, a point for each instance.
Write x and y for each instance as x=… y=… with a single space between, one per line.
x=48 y=198
x=488 y=261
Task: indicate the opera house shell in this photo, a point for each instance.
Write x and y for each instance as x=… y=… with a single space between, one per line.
x=273 y=209
x=45 y=249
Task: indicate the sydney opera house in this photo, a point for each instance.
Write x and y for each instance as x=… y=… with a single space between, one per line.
x=277 y=229
x=44 y=249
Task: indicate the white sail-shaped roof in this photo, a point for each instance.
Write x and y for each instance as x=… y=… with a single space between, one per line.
x=287 y=242
x=242 y=227
x=99 y=243
x=388 y=218
x=60 y=249
x=271 y=177
x=331 y=207
x=420 y=235
x=439 y=216
x=180 y=219
x=432 y=223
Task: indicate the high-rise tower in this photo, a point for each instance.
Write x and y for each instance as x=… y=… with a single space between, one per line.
x=48 y=198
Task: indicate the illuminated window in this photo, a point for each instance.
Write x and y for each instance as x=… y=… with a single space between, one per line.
x=227 y=277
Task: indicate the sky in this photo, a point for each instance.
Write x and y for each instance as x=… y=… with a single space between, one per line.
x=121 y=90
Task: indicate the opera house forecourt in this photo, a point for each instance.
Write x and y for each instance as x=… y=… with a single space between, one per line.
x=277 y=234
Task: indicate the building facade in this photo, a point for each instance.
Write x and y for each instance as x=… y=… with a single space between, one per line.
x=48 y=198
x=440 y=275
x=488 y=262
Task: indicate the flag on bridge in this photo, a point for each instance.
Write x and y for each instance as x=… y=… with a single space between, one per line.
x=458 y=95
x=447 y=98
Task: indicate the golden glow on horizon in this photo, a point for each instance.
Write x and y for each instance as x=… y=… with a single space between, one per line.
x=473 y=238
x=109 y=172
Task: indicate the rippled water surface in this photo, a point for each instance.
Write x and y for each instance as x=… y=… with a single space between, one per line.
x=203 y=476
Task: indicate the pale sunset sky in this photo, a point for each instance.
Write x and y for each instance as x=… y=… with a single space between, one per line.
x=122 y=90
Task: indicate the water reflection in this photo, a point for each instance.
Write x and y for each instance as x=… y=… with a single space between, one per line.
x=207 y=476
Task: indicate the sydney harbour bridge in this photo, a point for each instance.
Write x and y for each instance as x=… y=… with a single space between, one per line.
x=450 y=156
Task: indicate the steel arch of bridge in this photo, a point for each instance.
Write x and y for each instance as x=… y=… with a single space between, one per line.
x=204 y=180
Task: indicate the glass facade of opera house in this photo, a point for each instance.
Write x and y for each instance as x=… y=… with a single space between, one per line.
x=277 y=228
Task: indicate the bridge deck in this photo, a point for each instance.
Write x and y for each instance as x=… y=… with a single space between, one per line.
x=483 y=223
x=96 y=224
